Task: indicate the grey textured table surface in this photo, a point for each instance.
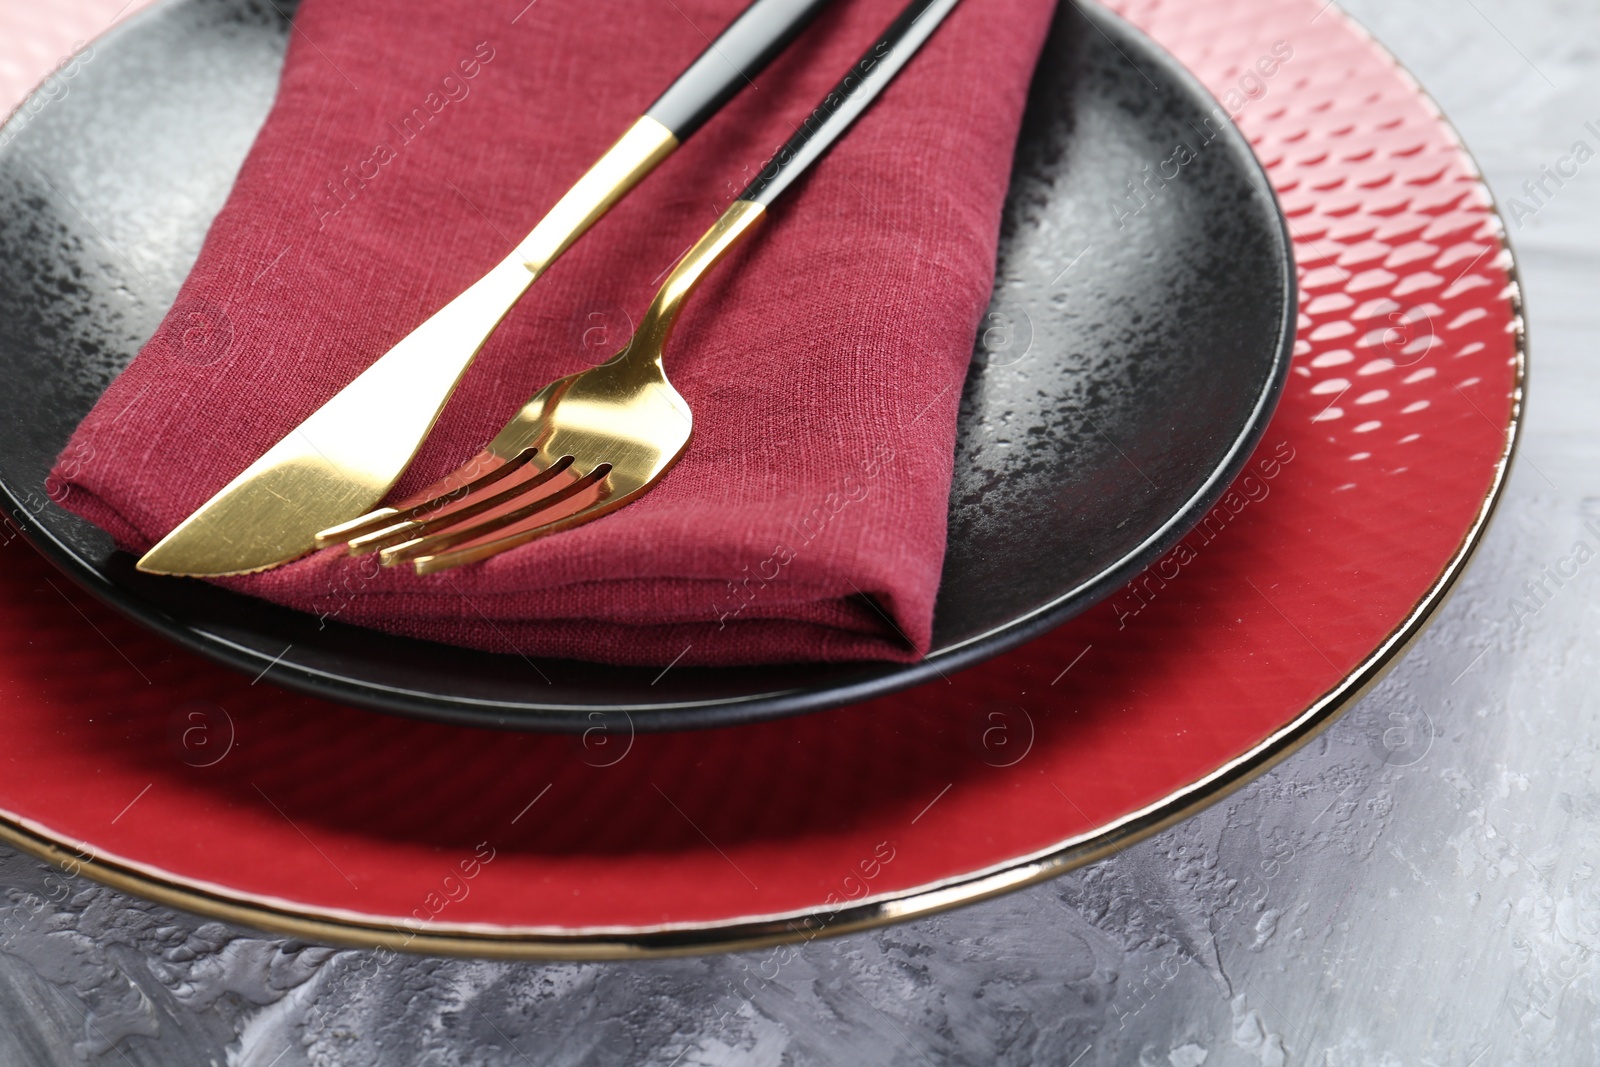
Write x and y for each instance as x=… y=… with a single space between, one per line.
x=1439 y=910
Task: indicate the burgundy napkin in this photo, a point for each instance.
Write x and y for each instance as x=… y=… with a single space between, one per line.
x=412 y=144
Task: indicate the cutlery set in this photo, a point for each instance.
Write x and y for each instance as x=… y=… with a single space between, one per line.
x=584 y=445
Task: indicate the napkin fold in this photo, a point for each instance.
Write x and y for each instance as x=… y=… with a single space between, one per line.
x=412 y=144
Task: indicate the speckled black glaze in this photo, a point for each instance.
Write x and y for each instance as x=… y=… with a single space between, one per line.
x=1121 y=378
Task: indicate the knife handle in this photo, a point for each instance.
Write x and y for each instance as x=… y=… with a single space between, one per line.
x=728 y=64
x=725 y=67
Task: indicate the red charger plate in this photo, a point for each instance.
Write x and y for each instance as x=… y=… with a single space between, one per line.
x=152 y=770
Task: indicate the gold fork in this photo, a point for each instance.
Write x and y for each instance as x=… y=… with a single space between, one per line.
x=591 y=442
x=615 y=428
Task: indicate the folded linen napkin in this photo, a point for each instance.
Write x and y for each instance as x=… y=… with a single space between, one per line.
x=412 y=144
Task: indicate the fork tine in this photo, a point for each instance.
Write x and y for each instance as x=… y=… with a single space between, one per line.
x=412 y=529
x=438 y=543
x=477 y=553
x=438 y=495
x=442 y=561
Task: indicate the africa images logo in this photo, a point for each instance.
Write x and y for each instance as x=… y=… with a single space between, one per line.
x=453 y=88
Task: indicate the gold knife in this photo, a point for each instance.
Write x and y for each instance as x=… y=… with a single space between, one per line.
x=347 y=454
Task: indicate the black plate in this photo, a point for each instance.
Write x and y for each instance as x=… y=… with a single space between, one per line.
x=1129 y=363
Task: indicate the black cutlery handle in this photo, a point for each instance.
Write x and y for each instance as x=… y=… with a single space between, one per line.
x=849 y=98
x=729 y=62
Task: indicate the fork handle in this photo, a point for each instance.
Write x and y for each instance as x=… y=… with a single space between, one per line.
x=831 y=118
x=740 y=53
x=872 y=72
